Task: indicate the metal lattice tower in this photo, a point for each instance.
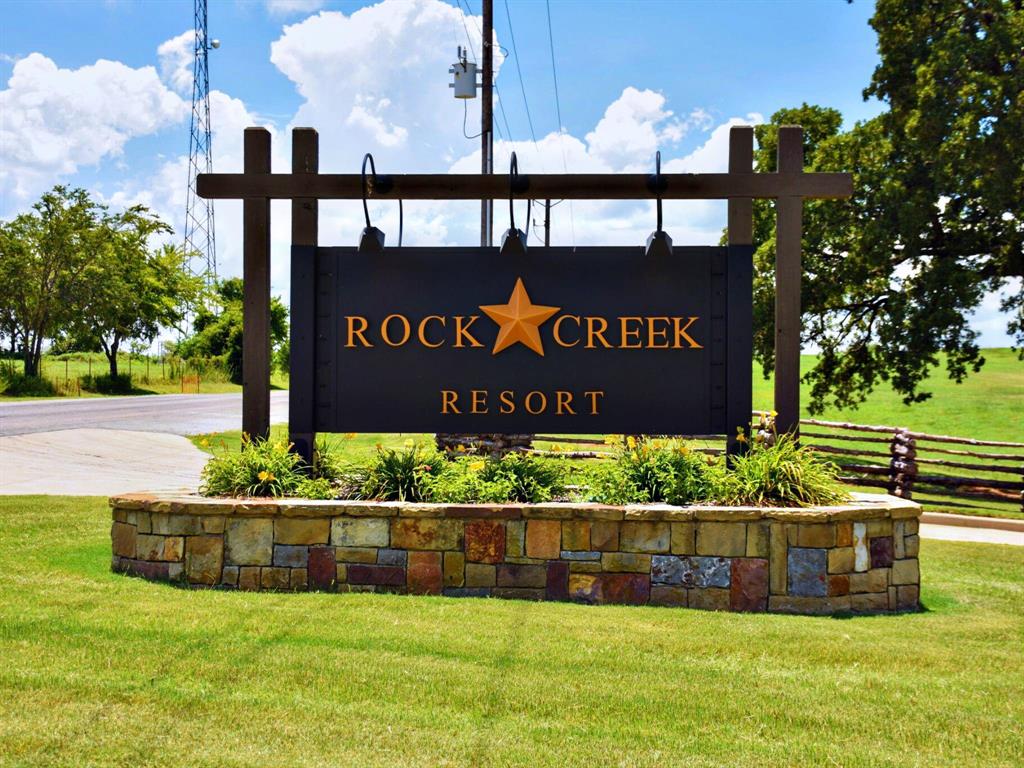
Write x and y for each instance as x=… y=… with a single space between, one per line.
x=199 y=236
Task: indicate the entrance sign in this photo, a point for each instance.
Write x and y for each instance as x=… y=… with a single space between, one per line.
x=584 y=340
x=518 y=318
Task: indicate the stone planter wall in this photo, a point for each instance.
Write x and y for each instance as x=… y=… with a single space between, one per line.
x=860 y=557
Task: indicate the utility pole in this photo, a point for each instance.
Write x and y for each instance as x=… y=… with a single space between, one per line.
x=487 y=122
x=547 y=223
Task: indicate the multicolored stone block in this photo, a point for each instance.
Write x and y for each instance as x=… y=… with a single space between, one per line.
x=861 y=558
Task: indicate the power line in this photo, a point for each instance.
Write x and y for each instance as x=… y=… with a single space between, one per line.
x=519 y=71
x=558 y=112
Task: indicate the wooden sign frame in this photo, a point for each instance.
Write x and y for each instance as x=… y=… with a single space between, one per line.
x=305 y=186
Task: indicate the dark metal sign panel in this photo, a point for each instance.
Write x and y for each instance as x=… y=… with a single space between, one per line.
x=584 y=340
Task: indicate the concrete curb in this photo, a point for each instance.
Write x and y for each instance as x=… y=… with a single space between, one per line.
x=973 y=521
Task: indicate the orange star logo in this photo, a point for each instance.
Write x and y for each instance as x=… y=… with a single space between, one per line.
x=519 y=320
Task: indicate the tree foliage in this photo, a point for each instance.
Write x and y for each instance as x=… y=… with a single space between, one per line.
x=217 y=331
x=892 y=276
x=43 y=257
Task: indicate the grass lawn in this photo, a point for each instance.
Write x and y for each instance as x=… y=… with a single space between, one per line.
x=153 y=379
x=100 y=669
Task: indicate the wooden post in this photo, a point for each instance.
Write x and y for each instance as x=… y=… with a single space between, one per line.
x=741 y=233
x=256 y=299
x=788 y=227
x=902 y=467
x=302 y=363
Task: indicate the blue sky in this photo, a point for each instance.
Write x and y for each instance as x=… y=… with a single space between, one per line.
x=633 y=77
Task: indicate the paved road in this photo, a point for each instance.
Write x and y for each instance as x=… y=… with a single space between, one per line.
x=175 y=414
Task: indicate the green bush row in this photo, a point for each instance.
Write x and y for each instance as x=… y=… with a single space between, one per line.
x=780 y=473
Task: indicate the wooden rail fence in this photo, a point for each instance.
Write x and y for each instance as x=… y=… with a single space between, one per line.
x=896 y=459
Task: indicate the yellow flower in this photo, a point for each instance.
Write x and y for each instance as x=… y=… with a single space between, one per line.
x=379 y=447
x=204 y=442
x=631 y=442
x=265 y=476
x=556 y=447
x=741 y=438
x=350 y=435
x=774 y=414
x=476 y=466
x=683 y=450
x=460 y=448
x=611 y=439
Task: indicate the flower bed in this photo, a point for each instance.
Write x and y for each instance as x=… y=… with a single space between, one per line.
x=858 y=557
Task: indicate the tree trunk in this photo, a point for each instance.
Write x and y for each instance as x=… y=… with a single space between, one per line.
x=32 y=347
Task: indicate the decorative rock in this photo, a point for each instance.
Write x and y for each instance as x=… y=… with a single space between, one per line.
x=862 y=558
x=666 y=569
x=557 y=586
x=122 y=539
x=299 y=579
x=612 y=562
x=515 y=538
x=355 y=555
x=898 y=544
x=275 y=578
x=604 y=535
x=585 y=588
x=289 y=556
x=425 y=576
x=881 y=527
x=229 y=576
x=910 y=526
x=147 y=570
x=454 y=567
x=908 y=598
x=204 y=557
x=778 y=565
x=176 y=525
x=683 y=539
x=816 y=535
x=249 y=578
x=511 y=575
x=485 y=541
x=159 y=548
x=393 y=557
x=807 y=572
x=420 y=533
x=578 y=555
x=645 y=537
x=480 y=575
x=626 y=588
x=543 y=539
x=576 y=535
x=668 y=596
x=341 y=574
x=176 y=572
x=376 y=574
x=748 y=586
x=839 y=584
x=703 y=572
x=213 y=524
x=249 y=541
x=844 y=534
x=292 y=530
x=588 y=566
x=722 y=539
x=881 y=551
x=323 y=569
x=912 y=546
x=876 y=580
x=870 y=602
x=710 y=599
x=906 y=572
x=841 y=560
x=757 y=540
x=359 y=532
x=819 y=606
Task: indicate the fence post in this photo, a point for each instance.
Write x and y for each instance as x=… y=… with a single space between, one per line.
x=902 y=467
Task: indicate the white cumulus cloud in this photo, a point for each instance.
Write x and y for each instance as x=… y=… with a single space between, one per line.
x=56 y=120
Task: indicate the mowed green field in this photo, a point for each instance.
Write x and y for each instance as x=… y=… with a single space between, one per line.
x=106 y=670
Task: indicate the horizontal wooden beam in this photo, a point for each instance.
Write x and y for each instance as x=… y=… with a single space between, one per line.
x=581 y=186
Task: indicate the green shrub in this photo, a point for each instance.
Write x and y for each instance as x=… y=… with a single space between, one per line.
x=654 y=471
x=780 y=474
x=515 y=477
x=400 y=475
x=20 y=385
x=261 y=468
x=105 y=384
